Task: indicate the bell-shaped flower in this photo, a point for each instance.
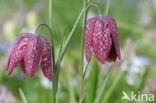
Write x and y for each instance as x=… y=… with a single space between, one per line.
x=101 y=37
x=31 y=51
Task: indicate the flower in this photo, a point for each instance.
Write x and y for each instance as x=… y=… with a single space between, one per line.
x=101 y=37
x=30 y=51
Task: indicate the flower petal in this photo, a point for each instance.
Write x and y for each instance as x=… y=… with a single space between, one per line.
x=114 y=36
x=112 y=55
x=46 y=60
x=17 y=53
x=111 y=25
x=32 y=56
x=101 y=40
x=23 y=66
x=88 y=37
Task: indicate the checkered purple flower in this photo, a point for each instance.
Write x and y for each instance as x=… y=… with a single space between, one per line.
x=31 y=51
x=101 y=37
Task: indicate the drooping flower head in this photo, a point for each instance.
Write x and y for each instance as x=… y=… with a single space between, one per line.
x=101 y=37
x=31 y=51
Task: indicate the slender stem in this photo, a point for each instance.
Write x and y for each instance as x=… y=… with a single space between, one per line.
x=52 y=51
x=82 y=49
x=50 y=31
x=60 y=57
x=82 y=54
x=85 y=71
x=85 y=20
x=54 y=84
x=107 y=7
x=85 y=15
x=92 y=6
x=52 y=43
x=22 y=96
x=50 y=13
x=86 y=67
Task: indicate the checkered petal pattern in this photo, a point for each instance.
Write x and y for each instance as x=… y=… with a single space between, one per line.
x=31 y=51
x=101 y=37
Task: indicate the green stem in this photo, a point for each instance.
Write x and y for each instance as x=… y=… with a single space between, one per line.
x=92 y=6
x=50 y=13
x=61 y=55
x=54 y=84
x=52 y=42
x=52 y=51
x=112 y=87
x=82 y=54
x=22 y=96
x=107 y=7
x=82 y=49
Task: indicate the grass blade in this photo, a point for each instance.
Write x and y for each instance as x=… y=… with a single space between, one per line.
x=66 y=43
x=22 y=96
x=104 y=85
x=107 y=7
x=92 y=83
x=112 y=87
x=61 y=55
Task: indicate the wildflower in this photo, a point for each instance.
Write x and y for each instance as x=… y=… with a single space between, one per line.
x=30 y=51
x=101 y=37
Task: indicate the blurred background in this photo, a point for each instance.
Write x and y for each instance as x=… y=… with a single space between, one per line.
x=136 y=21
